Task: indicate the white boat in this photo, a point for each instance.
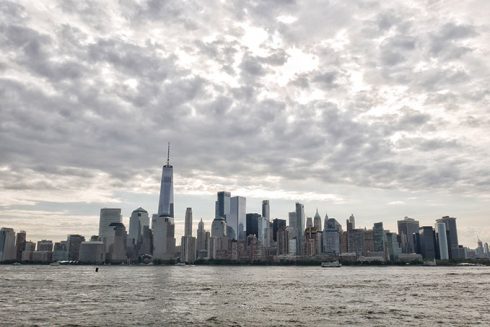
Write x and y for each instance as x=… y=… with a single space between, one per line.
x=331 y=264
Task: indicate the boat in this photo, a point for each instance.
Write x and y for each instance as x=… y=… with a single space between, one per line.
x=56 y=263
x=180 y=264
x=331 y=264
x=430 y=263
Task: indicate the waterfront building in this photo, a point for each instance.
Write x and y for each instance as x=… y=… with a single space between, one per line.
x=237 y=219
x=452 y=237
x=379 y=237
x=355 y=239
x=92 y=252
x=393 y=249
x=426 y=242
x=73 y=246
x=60 y=251
x=42 y=256
x=20 y=245
x=442 y=241
x=407 y=228
x=7 y=245
x=188 y=243
x=331 y=237
x=138 y=219
x=146 y=247
x=166 y=199
x=45 y=245
x=188 y=249
x=118 y=250
x=317 y=221
x=107 y=217
x=163 y=238
x=300 y=228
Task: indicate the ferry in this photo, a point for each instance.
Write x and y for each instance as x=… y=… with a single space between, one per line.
x=331 y=264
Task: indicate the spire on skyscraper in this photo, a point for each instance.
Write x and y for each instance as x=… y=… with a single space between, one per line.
x=168 y=154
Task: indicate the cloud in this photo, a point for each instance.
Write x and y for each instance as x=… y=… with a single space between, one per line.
x=391 y=97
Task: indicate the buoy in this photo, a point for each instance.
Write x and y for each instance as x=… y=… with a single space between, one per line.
x=97 y=269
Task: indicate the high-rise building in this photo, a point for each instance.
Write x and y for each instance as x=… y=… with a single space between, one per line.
x=223 y=205
x=118 y=249
x=355 y=239
x=276 y=225
x=351 y=222
x=20 y=245
x=426 y=242
x=442 y=241
x=309 y=222
x=282 y=239
x=201 y=240
x=317 y=221
x=188 y=222
x=107 y=217
x=7 y=245
x=163 y=223
x=407 y=228
x=139 y=218
x=331 y=237
x=92 y=252
x=452 y=237
x=392 y=246
x=166 y=200
x=163 y=238
x=237 y=219
x=60 y=251
x=292 y=223
x=300 y=220
x=73 y=246
x=188 y=243
x=379 y=237
x=45 y=245
x=252 y=224
x=266 y=211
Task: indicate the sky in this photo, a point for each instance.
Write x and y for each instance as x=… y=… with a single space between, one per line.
x=376 y=108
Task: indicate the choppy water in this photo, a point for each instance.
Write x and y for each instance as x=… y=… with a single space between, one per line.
x=244 y=296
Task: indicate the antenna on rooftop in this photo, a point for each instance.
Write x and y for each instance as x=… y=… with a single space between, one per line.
x=168 y=154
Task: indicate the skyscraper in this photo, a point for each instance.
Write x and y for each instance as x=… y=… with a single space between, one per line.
x=407 y=228
x=331 y=237
x=300 y=221
x=223 y=205
x=277 y=224
x=166 y=201
x=188 y=222
x=7 y=245
x=201 y=240
x=139 y=218
x=426 y=242
x=163 y=222
x=379 y=237
x=317 y=221
x=107 y=217
x=237 y=219
x=20 y=245
x=73 y=246
x=442 y=241
x=266 y=212
x=252 y=224
x=292 y=223
x=452 y=236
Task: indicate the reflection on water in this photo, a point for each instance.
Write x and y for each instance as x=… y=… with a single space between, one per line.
x=217 y=295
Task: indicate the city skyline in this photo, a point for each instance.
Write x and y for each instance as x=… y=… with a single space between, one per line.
x=383 y=114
